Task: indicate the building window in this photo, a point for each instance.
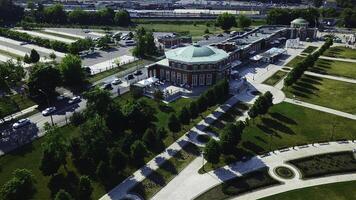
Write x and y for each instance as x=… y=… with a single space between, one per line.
x=179 y=78
x=185 y=78
x=202 y=79
x=194 y=80
x=209 y=79
x=168 y=77
x=195 y=67
x=173 y=76
x=161 y=73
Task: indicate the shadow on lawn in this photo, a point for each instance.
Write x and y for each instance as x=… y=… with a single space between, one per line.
x=278 y=126
x=282 y=118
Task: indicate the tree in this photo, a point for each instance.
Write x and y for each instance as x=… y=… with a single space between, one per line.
x=85 y=188
x=52 y=56
x=145 y=43
x=55 y=14
x=20 y=186
x=228 y=139
x=103 y=171
x=11 y=74
x=27 y=59
x=138 y=151
x=184 y=115
x=118 y=160
x=212 y=151
x=317 y=3
x=54 y=151
x=106 y=16
x=193 y=108
x=226 y=21
x=34 y=56
x=72 y=71
x=99 y=101
x=348 y=17
x=63 y=195
x=173 y=123
x=122 y=18
x=150 y=137
x=9 y=12
x=206 y=31
x=202 y=103
x=45 y=78
x=243 y=21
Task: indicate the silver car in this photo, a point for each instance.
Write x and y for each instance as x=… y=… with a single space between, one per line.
x=48 y=111
x=21 y=123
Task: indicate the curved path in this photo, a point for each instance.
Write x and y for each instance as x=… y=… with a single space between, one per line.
x=189 y=183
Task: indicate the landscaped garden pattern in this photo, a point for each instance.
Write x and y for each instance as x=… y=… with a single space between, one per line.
x=340 y=52
x=326 y=164
x=166 y=172
x=309 y=49
x=275 y=78
x=333 y=94
x=334 y=191
x=286 y=125
x=284 y=172
x=239 y=185
x=294 y=61
x=335 y=68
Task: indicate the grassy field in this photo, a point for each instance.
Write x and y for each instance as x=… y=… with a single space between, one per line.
x=286 y=125
x=159 y=178
x=275 y=78
x=324 y=92
x=294 y=61
x=340 y=52
x=334 y=191
x=249 y=182
x=326 y=164
x=14 y=103
x=336 y=68
x=309 y=49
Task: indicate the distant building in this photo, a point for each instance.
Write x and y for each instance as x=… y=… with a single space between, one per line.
x=299 y=28
x=169 y=41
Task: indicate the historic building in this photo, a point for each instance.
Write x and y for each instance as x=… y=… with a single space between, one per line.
x=299 y=28
x=193 y=65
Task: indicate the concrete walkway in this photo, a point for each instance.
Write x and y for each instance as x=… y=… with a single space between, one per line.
x=189 y=183
x=20 y=113
x=337 y=78
x=321 y=108
x=338 y=59
x=46 y=36
x=123 y=188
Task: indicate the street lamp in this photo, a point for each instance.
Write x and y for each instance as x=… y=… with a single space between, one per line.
x=50 y=114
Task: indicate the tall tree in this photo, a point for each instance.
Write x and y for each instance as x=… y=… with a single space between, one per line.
x=11 y=74
x=55 y=14
x=243 y=21
x=72 y=71
x=173 y=123
x=63 y=195
x=20 y=186
x=212 y=151
x=118 y=160
x=138 y=151
x=99 y=101
x=34 y=56
x=45 y=78
x=85 y=188
x=122 y=18
x=226 y=21
x=184 y=115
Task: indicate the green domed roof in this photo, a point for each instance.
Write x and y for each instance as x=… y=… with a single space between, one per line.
x=196 y=53
x=300 y=21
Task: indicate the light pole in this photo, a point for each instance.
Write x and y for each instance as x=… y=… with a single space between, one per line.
x=50 y=114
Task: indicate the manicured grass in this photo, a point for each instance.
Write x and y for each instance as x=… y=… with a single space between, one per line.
x=335 y=68
x=294 y=61
x=309 y=49
x=160 y=177
x=275 y=78
x=334 y=191
x=106 y=73
x=58 y=35
x=340 y=52
x=334 y=94
x=287 y=125
x=14 y=103
x=326 y=164
x=237 y=186
x=10 y=54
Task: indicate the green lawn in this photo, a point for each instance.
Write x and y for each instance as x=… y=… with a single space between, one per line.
x=309 y=49
x=159 y=178
x=239 y=185
x=324 y=92
x=340 y=52
x=287 y=125
x=334 y=191
x=14 y=103
x=294 y=61
x=275 y=78
x=336 y=68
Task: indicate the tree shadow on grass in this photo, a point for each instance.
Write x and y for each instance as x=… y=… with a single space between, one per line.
x=169 y=167
x=282 y=118
x=253 y=147
x=265 y=129
x=67 y=182
x=157 y=178
x=260 y=139
x=306 y=86
x=276 y=125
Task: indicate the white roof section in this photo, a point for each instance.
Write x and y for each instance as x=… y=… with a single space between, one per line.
x=147 y=82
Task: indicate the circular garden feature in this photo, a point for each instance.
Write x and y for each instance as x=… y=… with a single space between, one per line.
x=284 y=172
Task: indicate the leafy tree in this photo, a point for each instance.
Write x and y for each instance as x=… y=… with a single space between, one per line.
x=145 y=43
x=45 y=78
x=106 y=16
x=212 y=151
x=226 y=21
x=115 y=119
x=27 y=59
x=103 y=171
x=85 y=188
x=34 y=56
x=122 y=18
x=138 y=151
x=55 y=14
x=139 y=115
x=348 y=17
x=184 y=115
x=228 y=139
x=11 y=74
x=63 y=195
x=20 y=186
x=243 y=21
x=173 y=123
x=9 y=12
x=202 y=103
x=193 y=108
x=206 y=31
x=80 y=45
x=162 y=133
x=118 y=159
x=99 y=101
x=150 y=137
x=72 y=71
x=52 y=56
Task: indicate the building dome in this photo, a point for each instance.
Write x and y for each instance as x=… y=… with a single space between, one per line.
x=196 y=54
x=300 y=21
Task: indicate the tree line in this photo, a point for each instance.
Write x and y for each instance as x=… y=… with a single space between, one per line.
x=226 y=21
x=297 y=72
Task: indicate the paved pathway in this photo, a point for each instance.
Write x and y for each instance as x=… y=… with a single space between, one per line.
x=190 y=184
x=337 y=78
x=338 y=59
x=122 y=189
x=47 y=36
x=321 y=108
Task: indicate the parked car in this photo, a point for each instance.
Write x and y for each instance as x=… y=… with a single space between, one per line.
x=75 y=99
x=220 y=35
x=107 y=86
x=21 y=123
x=116 y=81
x=138 y=73
x=48 y=111
x=130 y=76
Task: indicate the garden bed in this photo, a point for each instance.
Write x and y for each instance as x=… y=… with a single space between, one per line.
x=275 y=78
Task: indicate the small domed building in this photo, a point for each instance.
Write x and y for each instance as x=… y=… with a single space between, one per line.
x=299 y=28
x=192 y=65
